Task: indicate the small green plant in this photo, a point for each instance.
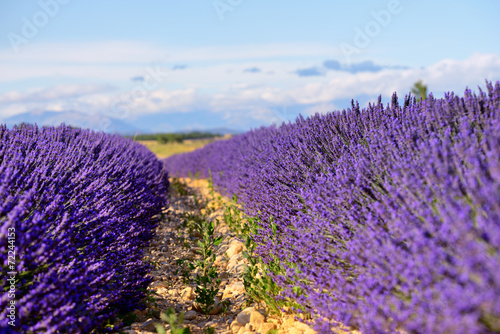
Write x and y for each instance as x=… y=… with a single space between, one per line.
x=174 y=321
x=206 y=279
x=183 y=270
x=193 y=222
x=151 y=303
x=261 y=288
x=128 y=318
x=258 y=284
x=209 y=330
x=233 y=216
x=215 y=201
x=197 y=203
x=208 y=282
x=180 y=187
x=419 y=90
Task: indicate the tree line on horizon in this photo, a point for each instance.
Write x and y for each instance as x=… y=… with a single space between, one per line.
x=170 y=137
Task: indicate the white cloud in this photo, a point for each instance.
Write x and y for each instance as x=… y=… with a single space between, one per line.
x=88 y=98
x=321 y=108
x=253 y=95
x=110 y=52
x=446 y=75
x=53 y=93
x=170 y=101
x=113 y=52
x=121 y=60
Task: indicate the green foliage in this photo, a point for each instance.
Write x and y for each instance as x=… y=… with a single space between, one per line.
x=215 y=201
x=184 y=271
x=169 y=136
x=491 y=322
x=258 y=285
x=419 y=90
x=193 y=222
x=209 y=330
x=206 y=279
x=180 y=187
x=208 y=282
x=150 y=303
x=261 y=288
x=175 y=323
x=128 y=318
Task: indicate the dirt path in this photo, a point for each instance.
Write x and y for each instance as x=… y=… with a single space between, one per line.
x=173 y=286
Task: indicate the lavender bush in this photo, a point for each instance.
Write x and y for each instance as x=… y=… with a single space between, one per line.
x=83 y=205
x=387 y=217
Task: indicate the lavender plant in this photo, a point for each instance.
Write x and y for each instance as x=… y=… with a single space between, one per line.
x=386 y=218
x=83 y=206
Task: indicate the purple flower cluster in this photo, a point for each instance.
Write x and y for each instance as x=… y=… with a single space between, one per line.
x=83 y=206
x=388 y=217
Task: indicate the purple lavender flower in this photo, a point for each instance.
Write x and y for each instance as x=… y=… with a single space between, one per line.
x=83 y=206
x=387 y=217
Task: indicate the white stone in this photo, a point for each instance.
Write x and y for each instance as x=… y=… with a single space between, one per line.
x=236 y=288
x=266 y=327
x=250 y=315
x=235 y=247
x=149 y=325
x=190 y=315
x=159 y=284
x=234 y=261
x=235 y=326
x=187 y=293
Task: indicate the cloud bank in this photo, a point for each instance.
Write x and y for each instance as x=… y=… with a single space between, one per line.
x=248 y=87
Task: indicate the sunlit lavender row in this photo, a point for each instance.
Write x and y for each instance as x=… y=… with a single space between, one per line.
x=388 y=217
x=83 y=205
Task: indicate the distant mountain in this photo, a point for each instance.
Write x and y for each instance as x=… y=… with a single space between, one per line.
x=222 y=131
x=182 y=122
x=145 y=124
x=77 y=119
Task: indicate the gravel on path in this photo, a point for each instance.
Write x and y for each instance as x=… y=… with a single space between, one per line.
x=170 y=289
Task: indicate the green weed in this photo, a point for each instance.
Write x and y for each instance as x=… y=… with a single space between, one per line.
x=206 y=280
x=174 y=321
x=180 y=187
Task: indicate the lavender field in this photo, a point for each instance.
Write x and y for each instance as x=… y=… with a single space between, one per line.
x=382 y=219
x=385 y=219
x=76 y=209
x=249 y=167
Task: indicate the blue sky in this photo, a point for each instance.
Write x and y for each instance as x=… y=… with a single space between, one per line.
x=176 y=65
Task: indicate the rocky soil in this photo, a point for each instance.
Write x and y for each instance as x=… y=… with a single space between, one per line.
x=170 y=290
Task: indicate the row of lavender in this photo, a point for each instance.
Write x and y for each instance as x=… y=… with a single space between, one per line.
x=388 y=217
x=82 y=206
